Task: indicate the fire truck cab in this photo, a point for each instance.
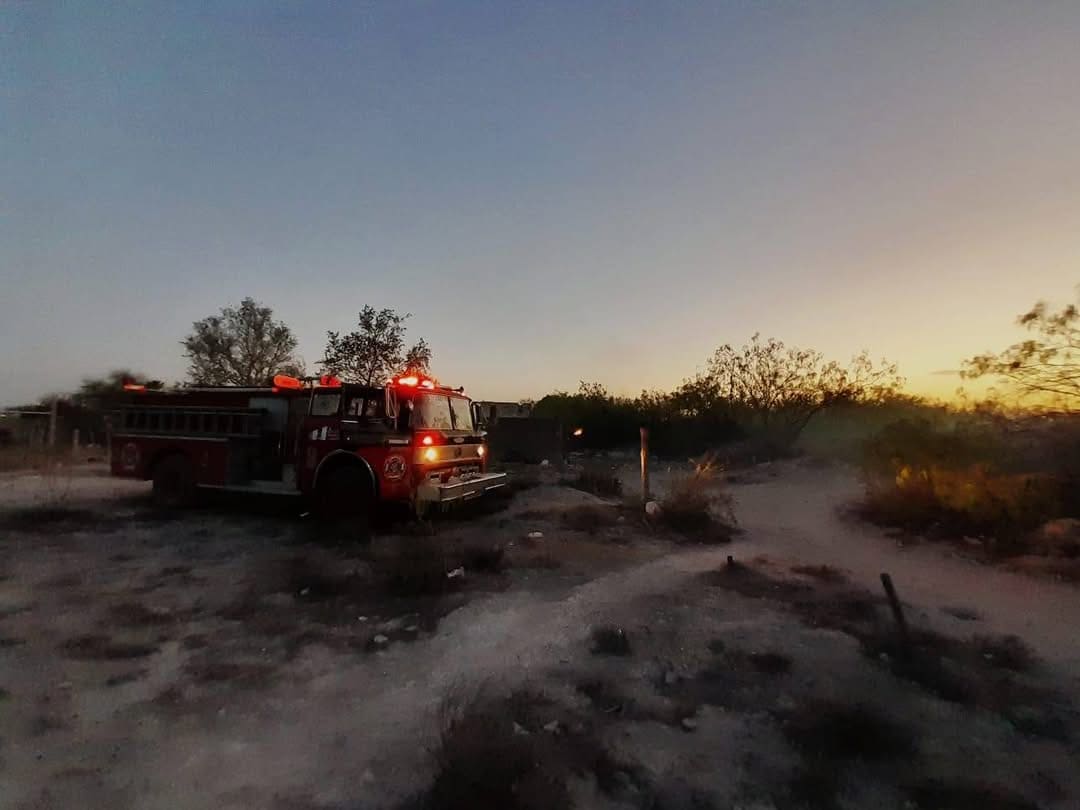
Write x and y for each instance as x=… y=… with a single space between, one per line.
x=344 y=447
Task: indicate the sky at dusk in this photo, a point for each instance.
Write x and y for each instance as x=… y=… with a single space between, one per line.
x=556 y=191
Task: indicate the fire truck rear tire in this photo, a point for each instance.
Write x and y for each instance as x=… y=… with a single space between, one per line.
x=174 y=482
x=345 y=502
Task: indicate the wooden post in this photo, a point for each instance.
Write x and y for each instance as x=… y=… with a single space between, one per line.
x=897 y=610
x=644 y=466
x=53 y=414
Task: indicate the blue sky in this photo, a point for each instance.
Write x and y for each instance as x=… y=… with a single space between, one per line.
x=556 y=191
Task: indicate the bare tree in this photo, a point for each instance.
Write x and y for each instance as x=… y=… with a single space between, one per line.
x=1047 y=365
x=375 y=351
x=241 y=346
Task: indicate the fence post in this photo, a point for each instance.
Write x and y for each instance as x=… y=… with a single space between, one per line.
x=644 y=466
x=54 y=409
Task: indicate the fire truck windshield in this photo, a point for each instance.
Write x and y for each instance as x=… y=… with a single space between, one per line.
x=462 y=413
x=440 y=412
x=433 y=412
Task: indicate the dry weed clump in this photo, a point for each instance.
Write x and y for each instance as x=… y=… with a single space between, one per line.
x=697 y=508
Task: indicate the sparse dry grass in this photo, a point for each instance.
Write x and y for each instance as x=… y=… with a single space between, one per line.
x=517 y=753
x=484 y=556
x=136 y=614
x=830 y=737
x=610 y=640
x=597 y=479
x=482 y=761
x=415 y=566
x=103 y=648
x=981 y=671
x=1005 y=652
x=825 y=573
x=936 y=795
x=49 y=518
x=208 y=669
x=590 y=518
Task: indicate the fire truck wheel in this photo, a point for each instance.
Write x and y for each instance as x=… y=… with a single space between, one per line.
x=345 y=500
x=174 y=482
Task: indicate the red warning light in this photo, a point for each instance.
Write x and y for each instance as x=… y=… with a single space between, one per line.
x=285 y=381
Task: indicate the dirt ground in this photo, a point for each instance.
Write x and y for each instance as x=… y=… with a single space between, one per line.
x=230 y=657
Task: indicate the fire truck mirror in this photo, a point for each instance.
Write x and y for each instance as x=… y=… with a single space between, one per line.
x=391 y=403
x=477 y=416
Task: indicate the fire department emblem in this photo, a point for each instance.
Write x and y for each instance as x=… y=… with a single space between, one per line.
x=129 y=456
x=394 y=468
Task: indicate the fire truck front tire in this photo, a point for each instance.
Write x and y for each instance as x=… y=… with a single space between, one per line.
x=345 y=500
x=174 y=482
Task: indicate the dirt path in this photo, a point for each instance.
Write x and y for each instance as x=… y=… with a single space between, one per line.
x=797 y=516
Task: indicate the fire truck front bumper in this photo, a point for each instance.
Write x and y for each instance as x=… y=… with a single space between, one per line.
x=464 y=488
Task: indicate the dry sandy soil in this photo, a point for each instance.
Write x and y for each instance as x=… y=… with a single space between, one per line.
x=231 y=658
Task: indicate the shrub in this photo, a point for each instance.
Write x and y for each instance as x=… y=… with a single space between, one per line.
x=963 y=481
x=695 y=508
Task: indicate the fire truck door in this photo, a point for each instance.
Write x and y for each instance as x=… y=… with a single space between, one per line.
x=273 y=440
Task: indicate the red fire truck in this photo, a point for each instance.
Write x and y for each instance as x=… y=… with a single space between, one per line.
x=346 y=448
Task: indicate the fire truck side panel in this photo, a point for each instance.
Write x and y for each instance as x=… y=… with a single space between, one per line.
x=136 y=456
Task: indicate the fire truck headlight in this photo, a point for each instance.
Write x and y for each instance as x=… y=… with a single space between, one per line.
x=481 y=450
x=430 y=454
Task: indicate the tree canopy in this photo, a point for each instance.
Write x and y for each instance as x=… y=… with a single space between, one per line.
x=240 y=346
x=95 y=388
x=777 y=389
x=763 y=390
x=1046 y=365
x=375 y=350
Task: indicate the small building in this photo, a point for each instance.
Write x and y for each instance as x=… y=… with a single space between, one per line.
x=492 y=412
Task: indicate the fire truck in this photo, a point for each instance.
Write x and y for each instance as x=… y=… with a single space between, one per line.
x=344 y=448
